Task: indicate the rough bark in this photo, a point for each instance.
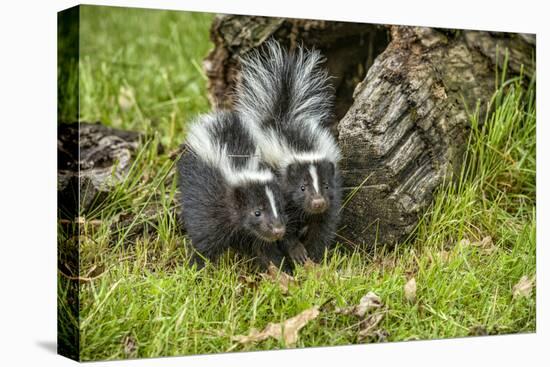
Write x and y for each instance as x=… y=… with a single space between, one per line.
x=406 y=131
x=403 y=127
x=91 y=159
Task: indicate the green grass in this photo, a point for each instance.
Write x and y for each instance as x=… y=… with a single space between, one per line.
x=143 y=301
x=141 y=69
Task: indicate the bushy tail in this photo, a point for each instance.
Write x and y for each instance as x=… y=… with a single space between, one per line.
x=277 y=86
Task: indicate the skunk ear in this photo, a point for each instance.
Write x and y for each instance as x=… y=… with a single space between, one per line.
x=291 y=170
x=238 y=196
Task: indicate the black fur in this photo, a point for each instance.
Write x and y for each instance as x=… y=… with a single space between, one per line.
x=315 y=231
x=277 y=85
x=296 y=89
x=218 y=216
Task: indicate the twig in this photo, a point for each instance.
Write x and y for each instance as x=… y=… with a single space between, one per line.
x=83 y=279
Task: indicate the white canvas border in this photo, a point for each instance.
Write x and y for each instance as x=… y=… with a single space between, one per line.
x=28 y=154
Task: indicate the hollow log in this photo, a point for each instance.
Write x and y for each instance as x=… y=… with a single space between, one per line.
x=91 y=159
x=349 y=48
x=403 y=103
x=406 y=132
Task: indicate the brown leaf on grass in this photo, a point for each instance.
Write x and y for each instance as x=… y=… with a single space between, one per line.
x=309 y=265
x=275 y=275
x=523 y=288
x=410 y=290
x=486 y=245
x=130 y=346
x=444 y=256
x=92 y=222
x=246 y=282
x=313 y=269
x=126 y=98
x=388 y=262
x=368 y=302
x=286 y=331
x=464 y=243
x=486 y=242
x=369 y=322
x=478 y=330
x=376 y=336
x=369 y=326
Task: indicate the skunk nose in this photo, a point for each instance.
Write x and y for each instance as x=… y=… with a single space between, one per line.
x=278 y=232
x=318 y=204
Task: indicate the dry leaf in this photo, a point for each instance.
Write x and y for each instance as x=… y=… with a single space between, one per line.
x=444 y=256
x=286 y=331
x=486 y=242
x=126 y=98
x=377 y=336
x=313 y=269
x=410 y=290
x=388 y=262
x=309 y=265
x=368 y=302
x=283 y=279
x=487 y=245
x=464 y=243
x=83 y=221
x=523 y=288
x=478 y=330
x=368 y=326
x=130 y=346
x=246 y=281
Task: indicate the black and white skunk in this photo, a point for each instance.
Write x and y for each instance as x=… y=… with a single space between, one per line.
x=285 y=100
x=228 y=199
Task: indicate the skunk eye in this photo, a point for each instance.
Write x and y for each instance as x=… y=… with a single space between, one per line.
x=326 y=185
x=257 y=213
x=303 y=188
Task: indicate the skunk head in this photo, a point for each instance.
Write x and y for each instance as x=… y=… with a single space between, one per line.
x=257 y=207
x=311 y=185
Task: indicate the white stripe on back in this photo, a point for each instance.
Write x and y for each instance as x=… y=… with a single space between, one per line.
x=214 y=152
x=241 y=177
x=314 y=177
x=271 y=201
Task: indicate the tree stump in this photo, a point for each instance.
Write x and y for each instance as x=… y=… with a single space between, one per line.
x=91 y=158
x=402 y=104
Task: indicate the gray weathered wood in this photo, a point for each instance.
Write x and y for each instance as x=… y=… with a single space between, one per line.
x=406 y=132
x=349 y=48
x=91 y=159
x=403 y=130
